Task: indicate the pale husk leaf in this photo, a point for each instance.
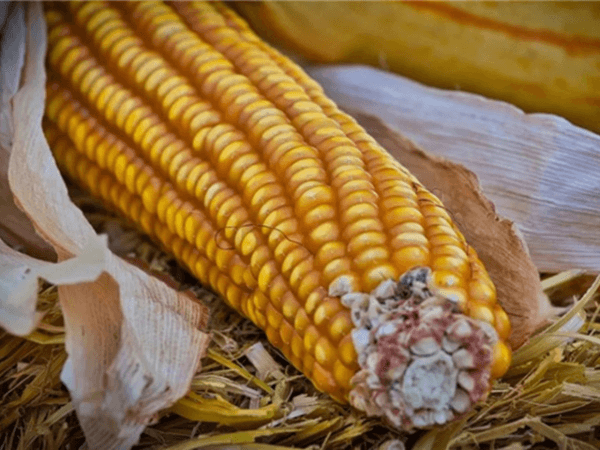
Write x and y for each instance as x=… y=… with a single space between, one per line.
x=3 y=13
x=19 y=274
x=15 y=228
x=538 y=169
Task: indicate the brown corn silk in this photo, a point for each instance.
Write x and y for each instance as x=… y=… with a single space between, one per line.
x=232 y=158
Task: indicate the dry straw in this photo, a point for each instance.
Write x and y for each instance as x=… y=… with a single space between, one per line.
x=246 y=396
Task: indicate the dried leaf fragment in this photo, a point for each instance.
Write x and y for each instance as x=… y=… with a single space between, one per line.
x=15 y=228
x=19 y=276
x=197 y=408
x=266 y=366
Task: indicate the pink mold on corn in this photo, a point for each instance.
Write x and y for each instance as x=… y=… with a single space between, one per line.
x=422 y=362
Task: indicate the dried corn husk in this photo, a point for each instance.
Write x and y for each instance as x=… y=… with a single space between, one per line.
x=133 y=343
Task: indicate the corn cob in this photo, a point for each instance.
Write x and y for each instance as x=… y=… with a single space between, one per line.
x=236 y=162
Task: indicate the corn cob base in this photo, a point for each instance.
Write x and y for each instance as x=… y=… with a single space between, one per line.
x=422 y=361
x=235 y=161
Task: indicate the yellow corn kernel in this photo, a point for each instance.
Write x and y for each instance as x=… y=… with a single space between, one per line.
x=501 y=359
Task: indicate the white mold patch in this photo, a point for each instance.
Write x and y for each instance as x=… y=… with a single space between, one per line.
x=422 y=362
x=430 y=382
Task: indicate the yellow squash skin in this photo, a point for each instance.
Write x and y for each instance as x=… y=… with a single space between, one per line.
x=540 y=56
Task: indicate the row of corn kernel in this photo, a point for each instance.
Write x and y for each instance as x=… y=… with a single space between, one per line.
x=449 y=259
x=164 y=149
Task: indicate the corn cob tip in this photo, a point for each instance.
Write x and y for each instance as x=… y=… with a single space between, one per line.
x=422 y=362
